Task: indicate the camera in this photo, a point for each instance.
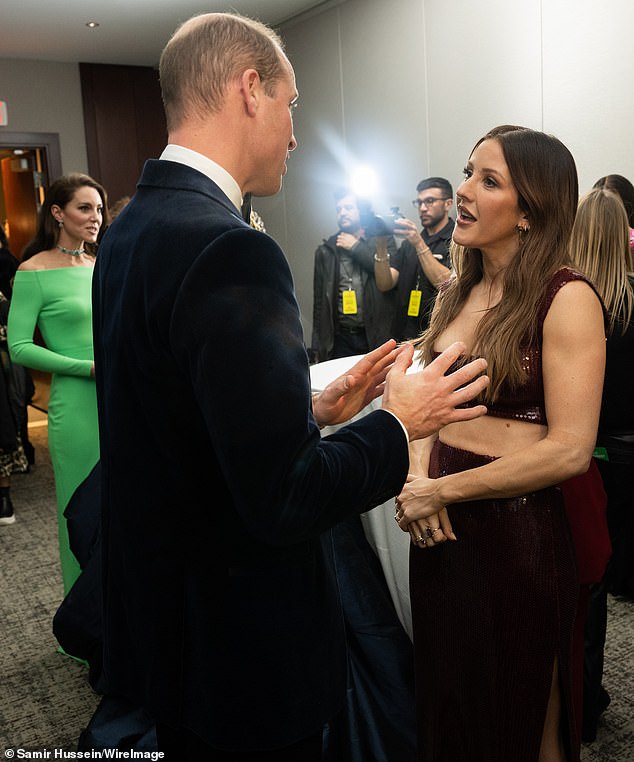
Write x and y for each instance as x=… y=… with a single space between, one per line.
x=376 y=225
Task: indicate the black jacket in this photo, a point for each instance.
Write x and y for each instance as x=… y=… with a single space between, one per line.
x=219 y=611
x=378 y=307
x=410 y=272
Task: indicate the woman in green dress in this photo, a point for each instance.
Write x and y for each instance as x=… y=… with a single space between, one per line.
x=52 y=290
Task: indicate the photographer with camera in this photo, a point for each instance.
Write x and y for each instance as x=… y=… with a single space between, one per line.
x=422 y=262
x=350 y=314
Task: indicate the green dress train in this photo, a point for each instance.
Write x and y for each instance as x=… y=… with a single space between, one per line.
x=59 y=302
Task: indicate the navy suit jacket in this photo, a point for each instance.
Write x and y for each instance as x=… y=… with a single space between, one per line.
x=220 y=610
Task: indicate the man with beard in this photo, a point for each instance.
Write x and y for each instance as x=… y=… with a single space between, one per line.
x=350 y=314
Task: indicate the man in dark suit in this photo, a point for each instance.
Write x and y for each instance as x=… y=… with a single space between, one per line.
x=219 y=611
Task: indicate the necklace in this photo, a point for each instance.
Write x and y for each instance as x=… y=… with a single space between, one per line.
x=72 y=252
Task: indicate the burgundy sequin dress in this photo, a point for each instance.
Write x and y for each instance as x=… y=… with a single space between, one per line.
x=493 y=611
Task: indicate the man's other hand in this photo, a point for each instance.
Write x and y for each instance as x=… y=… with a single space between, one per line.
x=426 y=401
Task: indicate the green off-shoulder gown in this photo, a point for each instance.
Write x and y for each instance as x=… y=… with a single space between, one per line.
x=59 y=302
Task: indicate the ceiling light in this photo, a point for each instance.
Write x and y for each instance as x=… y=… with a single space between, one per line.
x=92 y=24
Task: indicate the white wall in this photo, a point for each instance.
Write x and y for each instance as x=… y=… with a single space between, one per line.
x=45 y=96
x=407 y=86
x=588 y=89
x=360 y=74
x=410 y=85
x=562 y=66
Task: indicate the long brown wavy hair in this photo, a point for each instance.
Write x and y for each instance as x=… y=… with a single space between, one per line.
x=544 y=174
x=600 y=248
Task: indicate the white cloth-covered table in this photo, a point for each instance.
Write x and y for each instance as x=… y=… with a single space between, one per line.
x=389 y=543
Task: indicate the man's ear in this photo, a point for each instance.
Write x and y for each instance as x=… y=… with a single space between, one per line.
x=250 y=89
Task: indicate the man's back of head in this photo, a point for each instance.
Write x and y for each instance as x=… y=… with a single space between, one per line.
x=228 y=91
x=208 y=52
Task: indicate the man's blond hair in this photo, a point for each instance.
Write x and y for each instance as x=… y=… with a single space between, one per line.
x=208 y=52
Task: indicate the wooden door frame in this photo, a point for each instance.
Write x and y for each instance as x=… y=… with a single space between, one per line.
x=47 y=140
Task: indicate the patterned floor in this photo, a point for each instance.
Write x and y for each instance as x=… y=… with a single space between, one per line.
x=615 y=738
x=45 y=700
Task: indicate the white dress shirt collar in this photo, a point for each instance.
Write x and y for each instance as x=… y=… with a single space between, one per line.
x=215 y=172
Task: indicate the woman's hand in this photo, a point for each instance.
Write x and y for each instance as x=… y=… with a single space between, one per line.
x=420 y=512
x=432 y=531
x=418 y=499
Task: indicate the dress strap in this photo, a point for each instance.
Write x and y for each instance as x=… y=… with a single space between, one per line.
x=557 y=281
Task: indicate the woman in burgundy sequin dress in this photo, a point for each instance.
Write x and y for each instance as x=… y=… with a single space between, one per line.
x=493 y=577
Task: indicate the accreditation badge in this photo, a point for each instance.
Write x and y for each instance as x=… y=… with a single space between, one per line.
x=349 y=302
x=413 y=308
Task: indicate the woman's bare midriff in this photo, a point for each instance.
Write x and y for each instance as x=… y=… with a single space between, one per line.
x=492 y=436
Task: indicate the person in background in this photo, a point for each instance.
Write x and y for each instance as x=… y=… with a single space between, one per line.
x=21 y=382
x=113 y=212
x=221 y=616
x=119 y=205
x=8 y=265
x=422 y=262
x=52 y=290
x=625 y=190
x=599 y=247
x=12 y=410
x=493 y=576
x=350 y=314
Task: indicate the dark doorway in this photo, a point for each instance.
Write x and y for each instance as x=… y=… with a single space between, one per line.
x=29 y=161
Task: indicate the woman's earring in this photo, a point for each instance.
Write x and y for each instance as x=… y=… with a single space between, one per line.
x=60 y=223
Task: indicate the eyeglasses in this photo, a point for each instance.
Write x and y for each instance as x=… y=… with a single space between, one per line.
x=418 y=202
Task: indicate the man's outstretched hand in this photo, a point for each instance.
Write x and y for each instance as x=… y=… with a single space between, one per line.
x=348 y=394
